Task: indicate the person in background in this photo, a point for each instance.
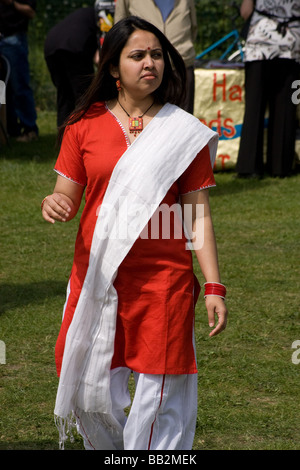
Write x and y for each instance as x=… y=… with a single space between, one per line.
x=177 y=20
x=105 y=10
x=131 y=298
x=21 y=112
x=272 y=56
x=71 y=51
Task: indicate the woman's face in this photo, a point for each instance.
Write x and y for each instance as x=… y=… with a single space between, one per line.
x=141 y=65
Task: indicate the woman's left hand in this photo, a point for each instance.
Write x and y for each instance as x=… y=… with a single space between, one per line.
x=216 y=308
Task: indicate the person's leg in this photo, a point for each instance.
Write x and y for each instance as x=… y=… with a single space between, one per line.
x=71 y=75
x=80 y=73
x=250 y=156
x=12 y=122
x=163 y=413
x=13 y=126
x=282 y=117
x=15 y=48
x=58 y=64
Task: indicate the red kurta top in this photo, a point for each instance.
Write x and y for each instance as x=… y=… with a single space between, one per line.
x=155 y=282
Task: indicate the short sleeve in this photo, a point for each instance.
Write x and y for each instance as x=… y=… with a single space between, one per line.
x=198 y=175
x=70 y=161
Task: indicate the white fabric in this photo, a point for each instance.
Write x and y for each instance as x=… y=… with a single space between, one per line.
x=162 y=416
x=142 y=177
x=265 y=41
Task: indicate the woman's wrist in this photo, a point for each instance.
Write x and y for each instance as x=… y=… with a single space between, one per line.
x=214 y=288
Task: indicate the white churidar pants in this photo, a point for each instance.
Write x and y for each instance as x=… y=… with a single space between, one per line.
x=162 y=415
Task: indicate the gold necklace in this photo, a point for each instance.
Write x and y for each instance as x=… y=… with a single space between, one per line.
x=135 y=123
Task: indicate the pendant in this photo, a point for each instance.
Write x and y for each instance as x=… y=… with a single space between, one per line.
x=135 y=125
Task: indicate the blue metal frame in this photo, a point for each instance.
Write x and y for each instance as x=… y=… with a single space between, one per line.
x=235 y=34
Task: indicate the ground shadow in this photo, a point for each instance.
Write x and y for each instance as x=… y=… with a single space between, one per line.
x=19 y=295
x=234 y=185
x=42 y=150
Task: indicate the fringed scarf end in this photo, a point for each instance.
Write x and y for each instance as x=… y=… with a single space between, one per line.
x=65 y=428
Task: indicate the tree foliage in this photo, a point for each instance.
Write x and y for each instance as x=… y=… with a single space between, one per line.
x=215 y=19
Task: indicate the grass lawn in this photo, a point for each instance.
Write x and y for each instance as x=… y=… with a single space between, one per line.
x=248 y=383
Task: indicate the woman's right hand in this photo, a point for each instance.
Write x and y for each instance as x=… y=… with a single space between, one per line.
x=65 y=201
x=56 y=207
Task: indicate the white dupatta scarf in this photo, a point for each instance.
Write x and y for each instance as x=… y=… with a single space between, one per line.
x=142 y=176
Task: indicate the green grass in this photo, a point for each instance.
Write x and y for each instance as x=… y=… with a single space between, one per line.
x=248 y=385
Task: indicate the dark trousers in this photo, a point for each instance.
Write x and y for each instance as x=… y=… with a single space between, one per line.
x=268 y=85
x=21 y=112
x=71 y=74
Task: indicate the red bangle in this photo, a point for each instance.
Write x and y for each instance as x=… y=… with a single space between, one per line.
x=43 y=201
x=215 y=288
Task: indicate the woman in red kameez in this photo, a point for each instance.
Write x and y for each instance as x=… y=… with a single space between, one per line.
x=132 y=292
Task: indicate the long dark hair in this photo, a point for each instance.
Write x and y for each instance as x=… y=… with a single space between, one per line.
x=103 y=86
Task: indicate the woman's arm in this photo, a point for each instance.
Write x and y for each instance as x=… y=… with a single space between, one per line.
x=65 y=201
x=200 y=228
x=22 y=8
x=246 y=9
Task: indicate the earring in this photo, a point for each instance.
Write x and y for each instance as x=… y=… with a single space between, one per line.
x=118 y=85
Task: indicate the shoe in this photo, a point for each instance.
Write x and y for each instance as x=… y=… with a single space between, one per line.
x=27 y=137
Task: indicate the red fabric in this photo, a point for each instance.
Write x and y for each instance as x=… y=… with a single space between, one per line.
x=155 y=282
